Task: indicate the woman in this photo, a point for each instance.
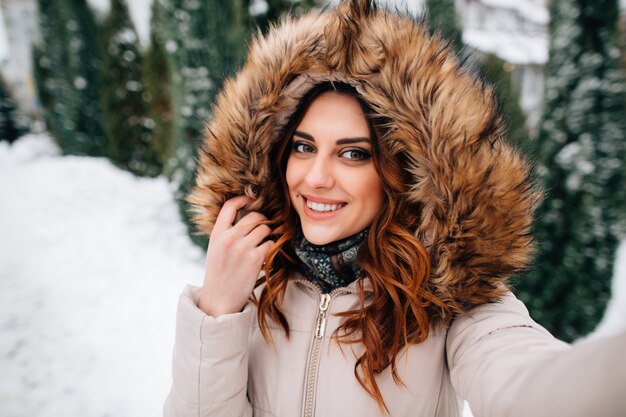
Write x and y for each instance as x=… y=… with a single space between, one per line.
x=359 y=171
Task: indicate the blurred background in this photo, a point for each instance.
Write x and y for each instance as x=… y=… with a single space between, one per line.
x=102 y=106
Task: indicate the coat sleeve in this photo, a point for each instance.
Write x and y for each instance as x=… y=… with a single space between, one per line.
x=210 y=362
x=506 y=365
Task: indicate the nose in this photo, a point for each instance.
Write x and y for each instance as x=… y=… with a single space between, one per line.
x=320 y=173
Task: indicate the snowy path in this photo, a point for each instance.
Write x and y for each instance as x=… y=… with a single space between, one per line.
x=92 y=261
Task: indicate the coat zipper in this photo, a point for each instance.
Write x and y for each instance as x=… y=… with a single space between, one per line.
x=308 y=404
x=314 y=357
x=321 y=317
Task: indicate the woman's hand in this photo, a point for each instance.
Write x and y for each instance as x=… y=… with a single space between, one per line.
x=234 y=259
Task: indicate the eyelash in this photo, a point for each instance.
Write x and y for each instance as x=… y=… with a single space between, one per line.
x=363 y=154
x=298 y=145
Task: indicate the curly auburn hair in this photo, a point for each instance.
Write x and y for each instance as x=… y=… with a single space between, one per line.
x=403 y=304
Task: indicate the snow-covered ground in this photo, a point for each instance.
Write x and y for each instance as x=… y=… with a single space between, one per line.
x=92 y=260
x=614 y=319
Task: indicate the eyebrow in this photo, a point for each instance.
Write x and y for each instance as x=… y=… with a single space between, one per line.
x=341 y=141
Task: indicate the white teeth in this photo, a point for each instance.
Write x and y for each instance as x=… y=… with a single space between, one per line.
x=322 y=207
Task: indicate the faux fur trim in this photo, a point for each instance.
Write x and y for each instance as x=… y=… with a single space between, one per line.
x=475 y=189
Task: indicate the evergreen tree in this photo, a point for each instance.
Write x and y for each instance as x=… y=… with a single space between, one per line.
x=442 y=18
x=157 y=80
x=277 y=8
x=494 y=71
x=204 y=40
x=9 y=125
x=196 y=39
x=582 y=152
x=67 y=67
x=49 y=58
x=127 y=126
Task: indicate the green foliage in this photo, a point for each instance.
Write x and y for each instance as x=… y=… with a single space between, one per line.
x=498 y=73
x=204 y=41
x=278 y=8
x=197 y=37
x=127 y=125
x=9 y=124
x=582 y=152
x=67 y=74
x=441 y=18
x=157 y=78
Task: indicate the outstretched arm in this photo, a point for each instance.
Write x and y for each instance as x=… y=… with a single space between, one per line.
x=505 y=364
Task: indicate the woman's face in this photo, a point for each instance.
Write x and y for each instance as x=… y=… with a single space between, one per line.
x=331 y=177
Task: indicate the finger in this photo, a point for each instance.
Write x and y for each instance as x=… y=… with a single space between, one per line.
x=228 y=212
x=259 y=233
x=248 y=222
x=265 y=248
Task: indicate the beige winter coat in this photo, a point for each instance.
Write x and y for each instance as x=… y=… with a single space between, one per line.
x=476 y=202
x=496 y=357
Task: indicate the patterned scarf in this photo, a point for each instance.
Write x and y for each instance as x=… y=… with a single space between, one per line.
x=333 y=265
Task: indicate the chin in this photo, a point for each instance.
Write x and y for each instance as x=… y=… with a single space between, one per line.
x=322 y=237
x=316 y=236
x=318 y=239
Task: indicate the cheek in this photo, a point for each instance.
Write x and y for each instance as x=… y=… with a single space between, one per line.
x=371 y=189
x=378 y=196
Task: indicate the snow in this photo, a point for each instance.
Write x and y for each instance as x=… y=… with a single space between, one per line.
x=258 y=7
x=532 y=10
x=572 y=158
x=92 y=260
x=515 y=31
x=126 y=35
x=140 y=12
x=514 y=47
x=614 y=319
x=415 y=7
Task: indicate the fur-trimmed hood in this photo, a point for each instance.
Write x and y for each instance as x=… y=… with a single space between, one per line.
x=475 y=190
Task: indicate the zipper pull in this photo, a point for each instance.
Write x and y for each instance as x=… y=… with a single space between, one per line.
x=321 y=318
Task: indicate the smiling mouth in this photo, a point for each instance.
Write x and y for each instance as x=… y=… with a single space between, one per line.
x=323 y=207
